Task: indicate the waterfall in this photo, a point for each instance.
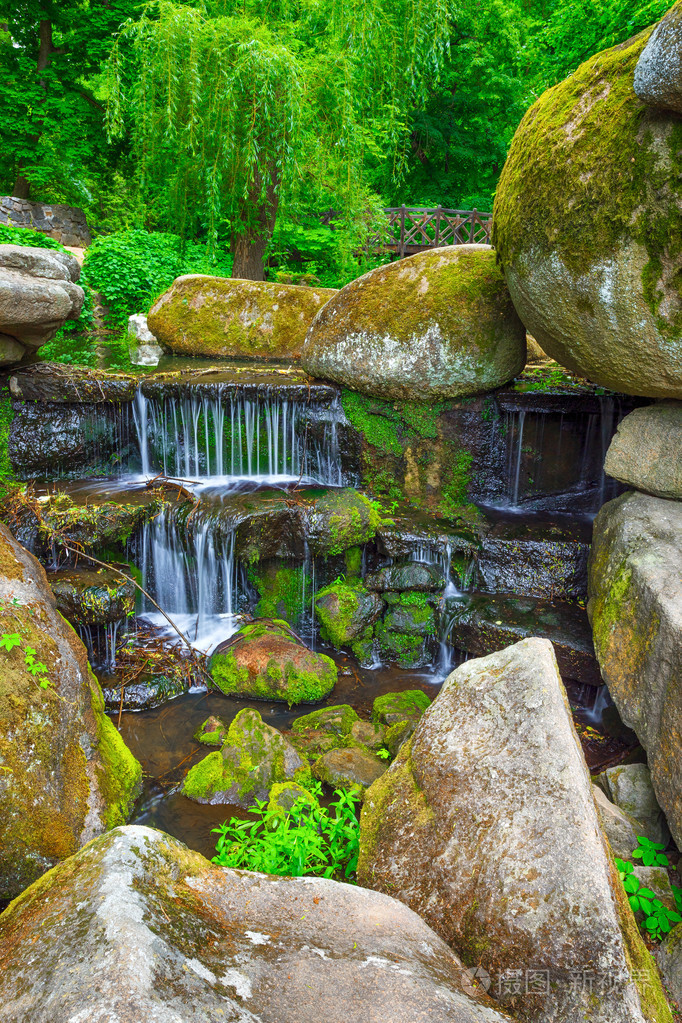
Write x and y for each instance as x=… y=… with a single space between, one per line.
x=100 y=642
x=227 y=432
x=442 y=557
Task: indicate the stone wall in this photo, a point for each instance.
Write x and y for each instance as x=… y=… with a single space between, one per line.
x=67 y=224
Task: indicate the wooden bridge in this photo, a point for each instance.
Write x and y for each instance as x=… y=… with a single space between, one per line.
x=413 y=229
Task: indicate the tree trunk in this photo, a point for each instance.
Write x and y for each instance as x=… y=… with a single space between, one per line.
x=21 y=188
x=250 y=244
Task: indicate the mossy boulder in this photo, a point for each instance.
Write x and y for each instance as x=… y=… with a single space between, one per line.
x=411 y=575
x=402 y=648
x=635 y=606
x=220 y=317
x=253 y=758
x=65 y=773
x=92 y=596
x=368 y=734
x=283 y=795
x=351 y=768
x=485 y=824
x=266 y=661
x=346 y=610
x=339 y=720
x=211 y=732
x=339 y=521
x=646 y=452
x=390 y=708
x=588 y=227
x=658 y=75
x=437 y=325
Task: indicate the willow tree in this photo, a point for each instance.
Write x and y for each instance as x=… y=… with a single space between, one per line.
x=229 y=103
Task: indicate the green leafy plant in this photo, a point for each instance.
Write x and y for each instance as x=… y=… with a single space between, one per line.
x=650 y=853
x=656 y=919
x=10 y=640
x=308 y=840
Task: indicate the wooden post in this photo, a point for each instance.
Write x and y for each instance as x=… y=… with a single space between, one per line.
x=473 y=224
x=401 y=251
x=435 y=242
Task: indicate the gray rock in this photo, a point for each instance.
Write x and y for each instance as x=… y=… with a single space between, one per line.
x=436 y=325
x=631 y=789
x=656 y=880
x=669 y=959
x=52 y=264
x=485 y=825
x=347 y=768
x=370 y=735
x=646 y=452
x=11 y=350
x=635 y=580
x=92 y=596
x=137 y=928
x=32 y=309
x=658 y=75
x=144 y=350
x=413 y=575
x=620 y=829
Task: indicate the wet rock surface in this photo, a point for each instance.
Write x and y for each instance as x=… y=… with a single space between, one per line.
x=635 y=608
x=169 y=936
x=485 y=824
x=92 y=596
x=646 y=452
x=56 y=382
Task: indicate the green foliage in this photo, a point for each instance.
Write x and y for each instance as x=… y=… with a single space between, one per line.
x=131 y=268
x=655 y=918
x=11 y=235
x=455 y=488
x=650 y=853
x=308 y=840
x=36 y=668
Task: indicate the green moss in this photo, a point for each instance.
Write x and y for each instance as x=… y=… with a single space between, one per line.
x=338 y=615
x=391 y=706
x=590 y=165
x=353 y=560
x=346 y=519
x=6 y=417
x=120 y=776
x=455 y=485
x=280 y=591
x=338 y=719
x=205 y=778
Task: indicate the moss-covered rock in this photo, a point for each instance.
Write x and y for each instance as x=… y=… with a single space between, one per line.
x=283 y=795
x=406 y=649
x=351 y=768
x=340 y=520
x=92 y=596
x=346 y=610
x=252 y=759
x=65 y=773
x=390 y=708
x=211 y=732
x=411 y=575
x=588 y=226
x=267 y=662
x=437 y=325
x=339 y=720
x=220 y=317
x=368 y=734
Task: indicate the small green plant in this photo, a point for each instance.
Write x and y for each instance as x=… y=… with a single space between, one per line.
x=650 y=853
x=383 y=753
x=10 y=640
x=308 y=840
x=656 y=919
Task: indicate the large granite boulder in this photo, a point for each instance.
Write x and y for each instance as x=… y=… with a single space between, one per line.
x=646 y=452
x=137 y=927
x=65 y=773
x=485 y=825
x=586 y=217
x=38 y=293
x=267 y=661
x=220 y=317
x=658 y=75
x=437 y=325
x=635 y=586
x=254 y=757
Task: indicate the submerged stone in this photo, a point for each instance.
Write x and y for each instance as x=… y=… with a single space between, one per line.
x=253 y=757
x=220 y=317
x=587 y=209
x=266 y=661
x=65 y=773
x=485 y=824
x=211 y=732
x=437 y=325
x=139 y=927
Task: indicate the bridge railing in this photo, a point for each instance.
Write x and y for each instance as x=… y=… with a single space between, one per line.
x=411 y=229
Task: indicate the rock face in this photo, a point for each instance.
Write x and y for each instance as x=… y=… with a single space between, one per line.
x=38 y=293
x=485 y=825
x=65 y=773
x=436 y=325
x=170 y=937
x=635 y=579
x=219 y=317
x=619 y=828
x=267 y=662
x=253 y=758
x=646 y=452
x=658 y=75
x=348 y=769
x=89 y=596
x=629 y=787
x=587 y=205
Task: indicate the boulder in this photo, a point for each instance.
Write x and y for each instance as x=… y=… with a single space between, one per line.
x=65 y=773
x=211 y=732
x=657 y=881
x=347 y=612
x=485 y=825
x=284 y=794
x=144 y=351
x=586 y=209
x=92 y=596
x=220 y=317
x=620 y=829
x=630 y=788
x=253 y=758
x=669 y=960
x=348 y=768
x=339 y=720
x=266 y=661
x=658 y=74
x=368 y=734
x=635 y=606
x=38 y=294
x=437 y=325
x=338 y=520
x=646 y=452
x=413 y=575
x=392 y=708
x=138 y=927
